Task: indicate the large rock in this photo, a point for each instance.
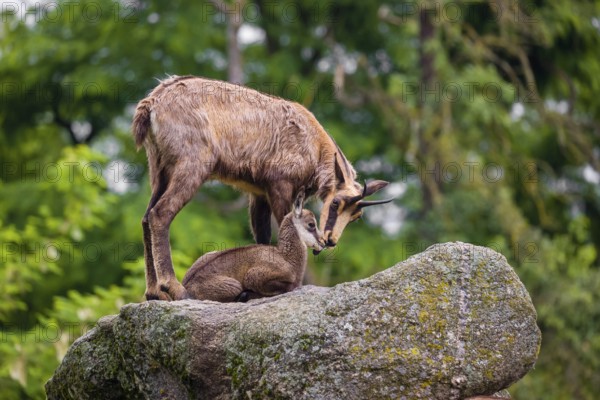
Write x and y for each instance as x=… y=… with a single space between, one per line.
x=449 y=323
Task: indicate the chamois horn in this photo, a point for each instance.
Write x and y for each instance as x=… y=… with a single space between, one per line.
x=369 y=189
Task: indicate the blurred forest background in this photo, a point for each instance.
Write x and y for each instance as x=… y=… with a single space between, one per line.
x=484 y=115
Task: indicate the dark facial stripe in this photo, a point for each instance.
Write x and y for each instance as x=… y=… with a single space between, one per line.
x=331 y=218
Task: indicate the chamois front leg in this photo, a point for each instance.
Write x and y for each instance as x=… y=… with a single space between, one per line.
x=260 y=218
x=281 y=197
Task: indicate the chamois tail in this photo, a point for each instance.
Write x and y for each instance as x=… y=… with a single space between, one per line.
x=141 y=122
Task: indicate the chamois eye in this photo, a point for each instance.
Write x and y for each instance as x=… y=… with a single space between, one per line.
x=335 y=203
x=311 y=226
x=356 y=217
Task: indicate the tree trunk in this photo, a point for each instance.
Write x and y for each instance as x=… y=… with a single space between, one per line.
x=429 y=168
x=235 y=72
x=234 y=16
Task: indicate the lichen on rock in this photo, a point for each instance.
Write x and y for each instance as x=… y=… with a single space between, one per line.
x=452 y=322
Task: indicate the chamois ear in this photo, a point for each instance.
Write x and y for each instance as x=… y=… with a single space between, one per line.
x=374 y=186
x=299 y=203
x=339 y=175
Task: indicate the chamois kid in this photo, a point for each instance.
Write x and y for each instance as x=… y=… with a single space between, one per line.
x=255 y=271
x=196 y=129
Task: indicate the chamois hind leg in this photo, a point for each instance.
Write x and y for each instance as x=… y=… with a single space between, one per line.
x=185 y=178
x=268 y=281
x=260 y=218
x=216 y=288
x=152 y=290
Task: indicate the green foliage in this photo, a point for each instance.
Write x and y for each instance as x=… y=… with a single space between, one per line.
x=496 y=145
x=37 y=237
x=40 y=242
x=565 y=280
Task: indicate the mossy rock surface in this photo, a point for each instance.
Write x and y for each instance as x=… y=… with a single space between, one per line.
x=452 y=322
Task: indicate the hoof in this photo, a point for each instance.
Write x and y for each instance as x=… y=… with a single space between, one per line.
x=175 y=292
x=151 y=296
x=243 y=297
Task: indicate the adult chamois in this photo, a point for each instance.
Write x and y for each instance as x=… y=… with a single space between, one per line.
x=196 y=129
x=258 y=270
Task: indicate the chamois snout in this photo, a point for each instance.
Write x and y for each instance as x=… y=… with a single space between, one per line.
x=311 y=236
x=346 y=206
